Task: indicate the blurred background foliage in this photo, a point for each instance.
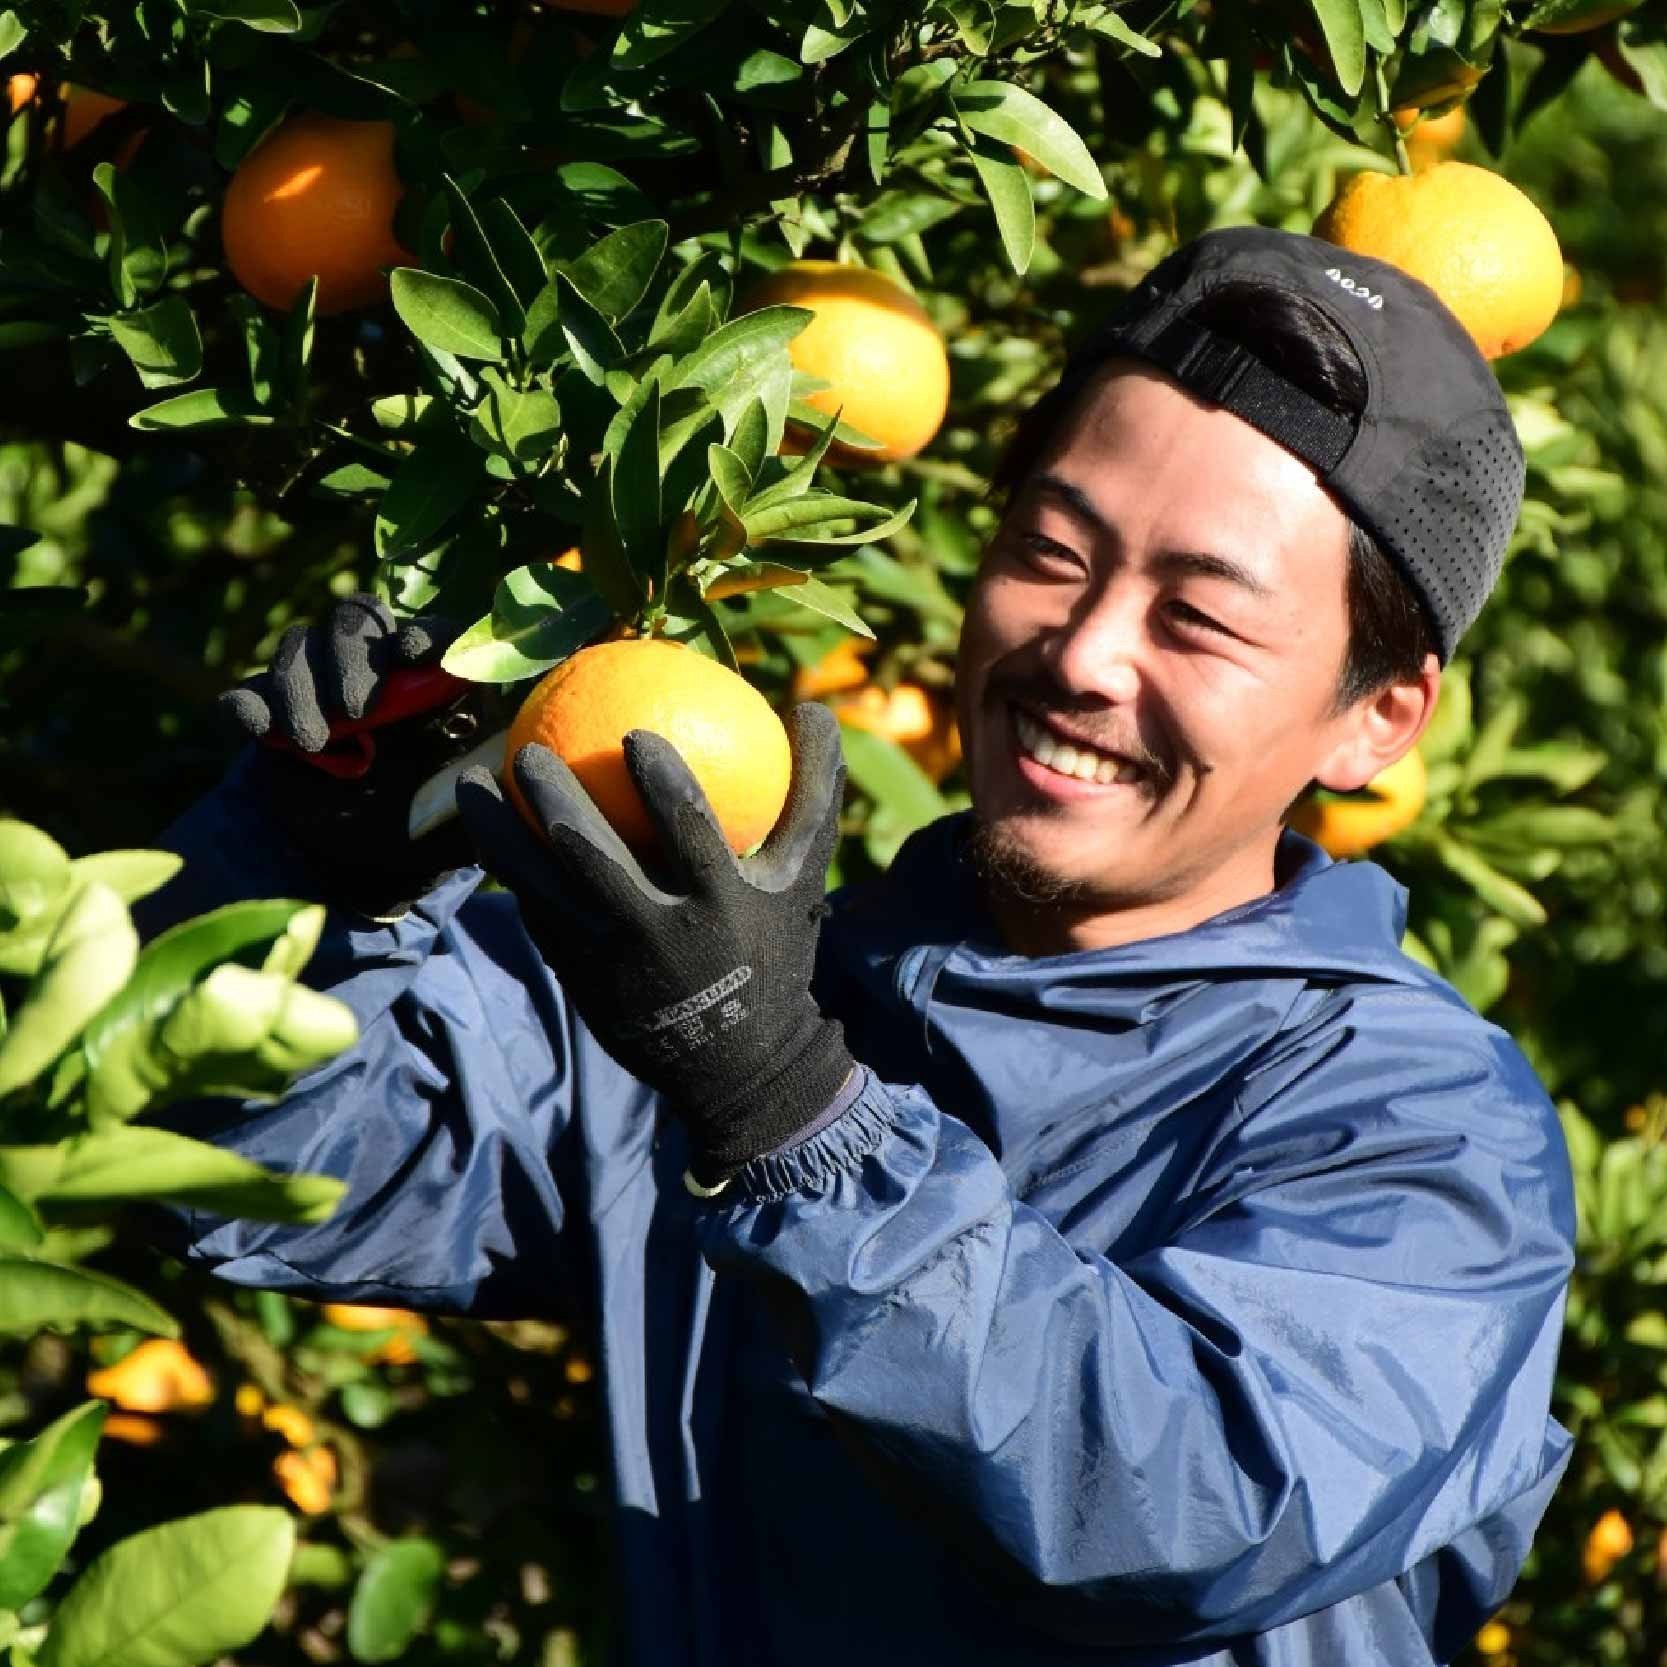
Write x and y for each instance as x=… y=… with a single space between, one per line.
x=450 y=1476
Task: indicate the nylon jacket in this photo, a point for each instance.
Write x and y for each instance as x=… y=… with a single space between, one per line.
x=1192 y=1301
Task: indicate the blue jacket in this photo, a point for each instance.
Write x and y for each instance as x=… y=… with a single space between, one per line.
x=1190 y=1301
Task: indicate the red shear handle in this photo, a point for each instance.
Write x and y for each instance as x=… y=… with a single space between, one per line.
x=351 y=749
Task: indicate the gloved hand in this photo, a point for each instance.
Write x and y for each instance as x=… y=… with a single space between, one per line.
x=353 y=832
x=694 y=972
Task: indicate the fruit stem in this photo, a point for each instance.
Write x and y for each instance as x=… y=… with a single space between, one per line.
x=1387 y=116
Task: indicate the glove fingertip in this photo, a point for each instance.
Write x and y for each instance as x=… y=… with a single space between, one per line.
x=244 y=713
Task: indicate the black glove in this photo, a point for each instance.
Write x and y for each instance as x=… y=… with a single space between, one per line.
x=353 y=832
x=695 y=977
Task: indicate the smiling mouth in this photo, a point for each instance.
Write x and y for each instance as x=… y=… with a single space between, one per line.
x=1064 y=758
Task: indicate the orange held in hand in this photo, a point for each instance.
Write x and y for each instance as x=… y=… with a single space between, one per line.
x=1472 y=236
x=1392 y=801
x=724 y=729
x=874 y=345
x=315 y=198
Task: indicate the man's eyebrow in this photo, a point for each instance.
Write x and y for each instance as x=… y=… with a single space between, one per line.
x=1194 y=564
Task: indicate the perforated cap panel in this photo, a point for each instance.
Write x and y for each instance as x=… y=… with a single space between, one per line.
x=1448 y=517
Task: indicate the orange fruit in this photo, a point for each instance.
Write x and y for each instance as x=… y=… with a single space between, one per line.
x=1609 y=1541
x=134 y=1428
x=1429 y=141
x=158 y=1376
x=570 y=559
x=1344 y=827
x=308 y=1478
x=85 y=109
x=841 y=668
x=315 y=197
x=291 y=1423
x=20 y=90
x=1493 y=1639
x=873 y=344
x=723 y=727
x=1472 y=236
x=923 y=727
x=397 y=1350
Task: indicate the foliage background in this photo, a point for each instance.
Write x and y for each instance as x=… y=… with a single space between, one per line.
x=1539 y=870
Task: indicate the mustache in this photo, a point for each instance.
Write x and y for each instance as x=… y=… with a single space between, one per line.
x=1090 y=726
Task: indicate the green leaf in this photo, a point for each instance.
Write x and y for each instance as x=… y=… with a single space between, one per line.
x=731 y=477
x=446 y=313
x=541 y=614
x=37 y=1295
x=437 y=480
x=87 y=960
x=656 y=27
x=42 y=1485
x=204 y=408
x=1008 y=189
x=522 y=426
x=138 y=253
x=12 y=33
x=1109 y=23
x=1505 y=896
x=297 y=344
x=589 y=336
x=800 y=520
x=830 y=603
x=269 y=17
x=635 y=488
x=34 y=873
x=614 y=273
x=393 y=1598
x=121 y=1164
x=175 y=1596
x=1015 y=117
x=475 y=254
x=1345 y=37
x=162 y=341
x=882 y=770
x=260 y=347
x=19 y=1229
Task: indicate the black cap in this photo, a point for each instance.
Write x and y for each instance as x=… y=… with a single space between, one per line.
x=1432 y=467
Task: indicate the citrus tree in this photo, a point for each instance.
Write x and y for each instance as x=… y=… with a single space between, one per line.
x=703 y=322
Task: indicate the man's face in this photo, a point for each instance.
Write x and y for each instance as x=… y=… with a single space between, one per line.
x=1166 y=602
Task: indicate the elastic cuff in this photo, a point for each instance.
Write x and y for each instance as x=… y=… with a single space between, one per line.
x=833 y=1150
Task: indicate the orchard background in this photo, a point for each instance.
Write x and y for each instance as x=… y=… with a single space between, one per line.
x=585 y=194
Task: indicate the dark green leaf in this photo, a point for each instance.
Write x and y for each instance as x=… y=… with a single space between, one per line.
x=636 y=494
x=138 y=255
x=452 y=316
x=260 y=347
x=204 y=408
x=1007 y=188
x=37 y=1295
x=516 y=252
x=298 y=343
x=541 y=614
x=614 y=273
x=1015 y=117
x=161 y=340
x=270 y=17
x=476 y=256
x=393 y=1598
x=521 y=425
x=656 y=27
x=437 y=480
x=590 y=338
x=42 y=1485
x=1345 y=37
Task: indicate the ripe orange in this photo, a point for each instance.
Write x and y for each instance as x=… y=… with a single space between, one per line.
x=1347 y=827
x=1473 y=237
x=396 y=1350
x=315 y=197
x=20 y=90
x=873 y=344
x=923 y=727
x=1429 y=141
x=723 y=727
x=841 y=668
x=1609 y=1541
x=157 y=1376
x=308 y=1478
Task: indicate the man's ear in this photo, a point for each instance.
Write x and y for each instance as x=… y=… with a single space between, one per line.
x=1376 y=731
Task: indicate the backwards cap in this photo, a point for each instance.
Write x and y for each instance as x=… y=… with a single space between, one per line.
x=1431 y=468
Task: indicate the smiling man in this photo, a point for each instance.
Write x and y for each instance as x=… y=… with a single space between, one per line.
x=1093 y=1241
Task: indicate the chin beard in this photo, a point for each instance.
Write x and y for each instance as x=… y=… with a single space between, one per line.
x=1007 y=867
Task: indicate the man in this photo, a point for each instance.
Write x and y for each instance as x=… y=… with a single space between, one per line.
x=1122 y=1252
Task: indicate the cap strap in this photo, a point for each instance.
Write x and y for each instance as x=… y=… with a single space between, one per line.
x=1230 y=375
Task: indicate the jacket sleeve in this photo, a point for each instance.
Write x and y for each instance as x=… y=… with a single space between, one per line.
x=453 y=1120
x=1337 y=1360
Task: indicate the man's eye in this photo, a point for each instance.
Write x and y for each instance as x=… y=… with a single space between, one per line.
x=1186 y=614
x=1043 y=551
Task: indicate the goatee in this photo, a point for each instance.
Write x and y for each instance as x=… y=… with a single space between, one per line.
x=1009 y=870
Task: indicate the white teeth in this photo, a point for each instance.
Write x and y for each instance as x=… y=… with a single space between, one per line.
x=1083 y=763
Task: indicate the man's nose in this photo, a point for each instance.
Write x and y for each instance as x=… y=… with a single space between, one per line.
x=1101 y=648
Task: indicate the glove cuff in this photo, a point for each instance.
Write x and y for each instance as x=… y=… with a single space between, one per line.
x=813 y=1066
